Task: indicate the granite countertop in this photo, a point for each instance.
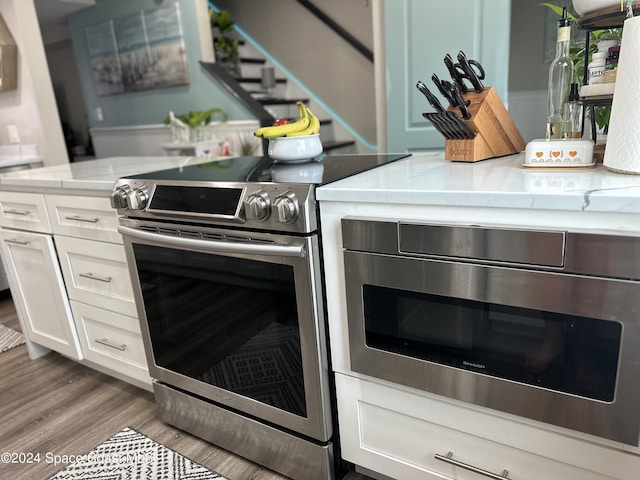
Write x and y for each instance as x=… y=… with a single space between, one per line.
x=429 y=179
x=98 y=174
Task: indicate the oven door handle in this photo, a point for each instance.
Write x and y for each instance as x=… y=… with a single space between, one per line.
x=216 y=245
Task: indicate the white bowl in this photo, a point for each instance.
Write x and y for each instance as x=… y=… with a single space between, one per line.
x=295 y=149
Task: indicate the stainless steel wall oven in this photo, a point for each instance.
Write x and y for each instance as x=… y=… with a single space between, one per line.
x=226 y=269
x=540 y=324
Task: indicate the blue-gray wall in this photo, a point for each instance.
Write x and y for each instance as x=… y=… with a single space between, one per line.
x=150 y=106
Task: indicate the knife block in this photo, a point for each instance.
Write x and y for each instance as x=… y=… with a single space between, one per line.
x=496 y=132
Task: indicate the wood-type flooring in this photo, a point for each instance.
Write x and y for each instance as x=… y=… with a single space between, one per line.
x=59 y=407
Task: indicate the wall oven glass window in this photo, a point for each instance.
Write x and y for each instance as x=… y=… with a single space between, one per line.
x=541 y=324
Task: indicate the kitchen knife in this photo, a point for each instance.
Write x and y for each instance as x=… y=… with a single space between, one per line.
x=437 y=120
x=460 y=102
x=456 y=75
x=460 y=126
x=444 y=90
x=433 y=101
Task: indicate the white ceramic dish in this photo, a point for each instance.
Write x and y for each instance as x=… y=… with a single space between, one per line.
x=295 y=149
x=558 y=153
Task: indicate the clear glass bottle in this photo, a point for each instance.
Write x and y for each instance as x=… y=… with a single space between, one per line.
x=560 y=77
x=573 y=114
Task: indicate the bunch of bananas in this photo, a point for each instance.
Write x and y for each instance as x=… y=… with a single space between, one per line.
x=307 y=124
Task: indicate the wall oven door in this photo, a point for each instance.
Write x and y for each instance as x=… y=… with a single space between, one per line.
x=235 y=318
x=530 y=323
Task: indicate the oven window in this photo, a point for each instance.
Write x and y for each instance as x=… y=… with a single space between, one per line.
x=575 y=355
x=225 y=321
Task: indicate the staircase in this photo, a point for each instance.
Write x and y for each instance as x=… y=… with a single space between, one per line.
x=279 y=102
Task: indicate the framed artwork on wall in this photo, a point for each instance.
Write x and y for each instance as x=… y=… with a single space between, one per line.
x=143 y=51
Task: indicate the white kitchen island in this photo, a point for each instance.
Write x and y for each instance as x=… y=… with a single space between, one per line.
x=66 y=265
x=393 y=431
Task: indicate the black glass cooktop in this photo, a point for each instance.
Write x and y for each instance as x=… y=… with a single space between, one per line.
x=264 y=169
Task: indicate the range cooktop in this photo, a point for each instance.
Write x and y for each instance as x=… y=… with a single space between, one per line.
x=243 y=192
x=264 y=169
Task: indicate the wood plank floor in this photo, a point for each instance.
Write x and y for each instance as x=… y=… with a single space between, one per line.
x=55 y=405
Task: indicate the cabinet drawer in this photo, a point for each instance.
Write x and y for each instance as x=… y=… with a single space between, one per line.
x=96 y=273
x=381 y=431
x=25 y=211
x=84 y=217
x=111 y=340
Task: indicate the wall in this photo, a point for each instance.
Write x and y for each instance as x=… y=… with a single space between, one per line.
x=528 y=73
x=32 y=106
x=330 y=68
x=152 y=106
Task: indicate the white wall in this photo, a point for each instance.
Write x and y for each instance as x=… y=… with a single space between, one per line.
x=32 y=106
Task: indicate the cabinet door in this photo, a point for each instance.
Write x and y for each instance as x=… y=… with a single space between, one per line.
x=38 y=291
x=96 y=273
x=418 y=34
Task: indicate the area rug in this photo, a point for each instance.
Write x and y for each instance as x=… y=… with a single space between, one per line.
x=130 y=455
x=9 y=338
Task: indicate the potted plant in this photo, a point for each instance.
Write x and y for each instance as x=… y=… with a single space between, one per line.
x=191 y=127
x=225 y=46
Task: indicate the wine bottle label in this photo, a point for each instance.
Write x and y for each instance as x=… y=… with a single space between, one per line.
x=564 y=34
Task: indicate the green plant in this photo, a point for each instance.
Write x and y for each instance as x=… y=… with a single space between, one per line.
x=577 y=53
x=196 y=118
x=224 y=23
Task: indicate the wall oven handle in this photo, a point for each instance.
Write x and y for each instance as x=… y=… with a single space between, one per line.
x=216 y=245
x=448 y=458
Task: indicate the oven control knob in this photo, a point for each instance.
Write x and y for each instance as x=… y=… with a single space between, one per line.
x=138 y=198
x=258 y=206
x=286 y=205
x=119 y=196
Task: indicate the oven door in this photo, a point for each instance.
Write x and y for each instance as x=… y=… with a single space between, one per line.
x=235 y=318
x=549 y=346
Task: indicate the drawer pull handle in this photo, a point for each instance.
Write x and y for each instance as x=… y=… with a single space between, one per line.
x=93 y=276
x=16 y=241
x=448 y=458
x=107 y=343
x=17 y=212
x=78 y=218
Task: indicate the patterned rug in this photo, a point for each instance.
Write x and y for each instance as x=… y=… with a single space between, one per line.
x=9 y=338
x=130 y=455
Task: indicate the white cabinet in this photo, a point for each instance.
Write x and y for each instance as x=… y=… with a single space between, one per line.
x=75 y=297
x=111 y=340
x=24 y=211
x=398 y=434
x=84 y=217
x=38 y=291
x=96 y=273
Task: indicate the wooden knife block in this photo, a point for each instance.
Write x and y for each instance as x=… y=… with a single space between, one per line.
x=496 y=132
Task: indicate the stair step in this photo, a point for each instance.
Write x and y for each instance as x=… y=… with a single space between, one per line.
x=335 y=144
x=257 y=80
x=254 y=61
x=241 y=42
x=282 y=101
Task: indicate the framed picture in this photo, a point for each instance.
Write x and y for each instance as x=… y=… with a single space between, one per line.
x=138 y=52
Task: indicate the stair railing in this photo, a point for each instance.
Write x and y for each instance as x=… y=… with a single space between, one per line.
x=337 y=28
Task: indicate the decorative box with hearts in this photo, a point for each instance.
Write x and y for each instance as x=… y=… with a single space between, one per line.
x=559 y=153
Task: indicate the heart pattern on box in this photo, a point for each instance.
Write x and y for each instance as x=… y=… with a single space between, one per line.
x=556 y=157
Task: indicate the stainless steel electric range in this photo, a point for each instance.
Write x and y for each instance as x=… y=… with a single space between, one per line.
x=225 y=262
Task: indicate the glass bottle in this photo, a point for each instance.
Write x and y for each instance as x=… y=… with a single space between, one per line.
x=573 y=114
x=560 y=77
